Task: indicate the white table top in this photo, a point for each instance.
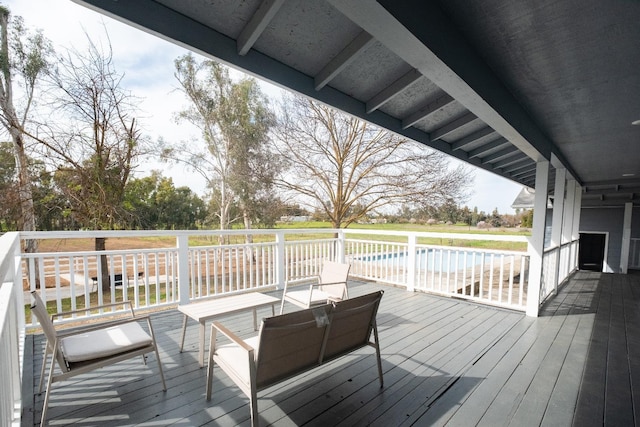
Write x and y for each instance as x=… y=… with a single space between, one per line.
x=205 y=310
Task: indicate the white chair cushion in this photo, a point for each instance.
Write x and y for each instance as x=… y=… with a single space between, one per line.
x=318 y=296
x=104 y=342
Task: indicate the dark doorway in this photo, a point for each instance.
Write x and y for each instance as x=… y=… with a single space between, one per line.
x=591 y=253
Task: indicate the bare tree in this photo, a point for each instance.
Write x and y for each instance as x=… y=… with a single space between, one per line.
x=24 y=56
x=234 y=120
x=92 y=139
x=349 y=168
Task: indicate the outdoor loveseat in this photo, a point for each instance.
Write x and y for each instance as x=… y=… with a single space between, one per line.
x=293 y=343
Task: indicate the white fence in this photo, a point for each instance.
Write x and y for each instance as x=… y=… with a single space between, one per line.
x=11 y=332
x=557 y=265
x=157 y=277
x=486 y=276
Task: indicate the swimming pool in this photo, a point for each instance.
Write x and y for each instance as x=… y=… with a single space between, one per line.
x=445 y=260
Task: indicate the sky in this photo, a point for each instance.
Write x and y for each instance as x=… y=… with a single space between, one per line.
x=147 y=63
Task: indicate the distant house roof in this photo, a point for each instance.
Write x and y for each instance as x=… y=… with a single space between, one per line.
x=526 y=198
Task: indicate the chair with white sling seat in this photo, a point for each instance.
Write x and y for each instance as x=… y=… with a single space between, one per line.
x=329 y=286
x=80 y=350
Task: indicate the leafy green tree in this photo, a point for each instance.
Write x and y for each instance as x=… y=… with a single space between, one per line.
x=448 y=212
x=139 y=202
x=466 y=216
x=154 y=203
x=495 y=219
x=527 y=218
x=9 y=197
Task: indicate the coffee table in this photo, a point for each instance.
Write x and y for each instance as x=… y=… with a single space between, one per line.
x=208 y=310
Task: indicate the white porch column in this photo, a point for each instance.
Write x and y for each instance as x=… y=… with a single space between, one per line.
x=567 y=230
x=626 y=237
x=536 y=243
x=558 y=207
x=557 y=221
x=575 y=235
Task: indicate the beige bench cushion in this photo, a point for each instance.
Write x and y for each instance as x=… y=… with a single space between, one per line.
x=234 y=357
x=104 y=342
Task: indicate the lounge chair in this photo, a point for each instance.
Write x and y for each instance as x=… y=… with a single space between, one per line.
x=330 y=286
x=80 y=350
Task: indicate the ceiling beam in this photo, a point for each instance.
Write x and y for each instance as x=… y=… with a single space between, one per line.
x=619 y=190
x=392 y=90
x=624 y=182
x=256 y=25
x=510 y=160
x=488 y=148
x=520 y=166
x=343 y=59
x=427 y=110
x=524 y=171
x=453 y=126
x=462 y=143
x=502 y=154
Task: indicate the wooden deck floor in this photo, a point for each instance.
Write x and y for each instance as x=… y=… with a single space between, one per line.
x=446 y=362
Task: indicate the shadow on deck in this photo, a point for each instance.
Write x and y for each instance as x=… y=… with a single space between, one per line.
x=445 y=362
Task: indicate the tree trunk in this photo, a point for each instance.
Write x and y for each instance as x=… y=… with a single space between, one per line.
x=247 y=225
x=27 y=221
x=27 y=212
x=101 y=245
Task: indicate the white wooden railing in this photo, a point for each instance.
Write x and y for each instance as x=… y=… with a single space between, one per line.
x=487 y=276
x=153 y=277
x=11 y=332
x=558 y=263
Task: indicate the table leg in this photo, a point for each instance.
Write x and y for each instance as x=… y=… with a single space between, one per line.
x=273 y=309
x=255 y=320
x=201 y=345
x=184 y=331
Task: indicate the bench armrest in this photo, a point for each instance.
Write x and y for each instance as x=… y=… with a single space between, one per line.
x=233 y=337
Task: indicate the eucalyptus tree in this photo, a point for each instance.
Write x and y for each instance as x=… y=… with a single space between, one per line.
x=348 y=168
x=24 y=60
x=234 y=120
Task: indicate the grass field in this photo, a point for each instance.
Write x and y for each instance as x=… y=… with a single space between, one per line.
x=72 y=245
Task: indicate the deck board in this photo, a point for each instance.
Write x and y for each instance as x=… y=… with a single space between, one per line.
x=445 y=362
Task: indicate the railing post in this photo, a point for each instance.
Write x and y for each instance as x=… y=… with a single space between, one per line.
x=280 y=260
x=340 y=247
x=411 y=262
x=182 y=242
